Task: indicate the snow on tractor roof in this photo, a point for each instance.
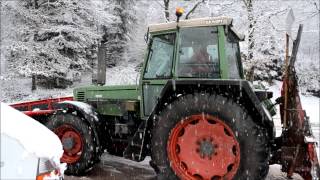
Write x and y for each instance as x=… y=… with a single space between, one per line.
x=197 y=22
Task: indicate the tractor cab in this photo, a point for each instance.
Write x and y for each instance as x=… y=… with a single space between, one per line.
x=195 y=49
x=205 y=48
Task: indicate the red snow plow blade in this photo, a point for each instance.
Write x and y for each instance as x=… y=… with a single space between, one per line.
x=40 y=107
x=298 y=153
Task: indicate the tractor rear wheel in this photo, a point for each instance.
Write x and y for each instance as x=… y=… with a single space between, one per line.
x=205 y=136
x=77 y=141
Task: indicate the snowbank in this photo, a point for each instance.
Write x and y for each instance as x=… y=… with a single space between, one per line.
x=33 y=136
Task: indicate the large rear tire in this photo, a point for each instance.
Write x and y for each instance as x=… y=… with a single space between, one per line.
x=205 y=136
x=77 y=140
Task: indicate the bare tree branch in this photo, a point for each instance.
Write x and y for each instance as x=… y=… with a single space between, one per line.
x=162 y=7
x=166 y=9
x=312 y=13
x=278 y=12
x=316 y=6
x=246 y=2
x=251 y=29
x=36 y=4
x=219 y=4
x=160 y=4
x=224 y=7
x=308 y=17
x=194 y=8
x=274 y=14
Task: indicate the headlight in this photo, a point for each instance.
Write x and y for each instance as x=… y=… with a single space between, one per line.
x=47 y=170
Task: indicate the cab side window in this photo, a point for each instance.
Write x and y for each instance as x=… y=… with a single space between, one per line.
x=233 y=56
x=160 y=57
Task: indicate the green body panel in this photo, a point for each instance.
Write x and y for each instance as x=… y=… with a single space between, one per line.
x=110 y=100
x=223 y=60
x=110 y=92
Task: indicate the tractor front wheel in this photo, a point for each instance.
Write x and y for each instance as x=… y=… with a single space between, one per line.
x=205 y=136
x=77 y=141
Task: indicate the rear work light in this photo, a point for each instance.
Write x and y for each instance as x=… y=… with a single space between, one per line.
x=47 y=170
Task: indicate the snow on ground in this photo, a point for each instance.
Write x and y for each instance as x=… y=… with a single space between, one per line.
x=34 y=137
x=18 y=89
x=276 y=174
x=274 y=171
x=114 y=159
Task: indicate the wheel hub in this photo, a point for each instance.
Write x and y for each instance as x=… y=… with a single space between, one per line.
x=72 y=143
x=68 y=143
x=203 y=147
x=206 y=148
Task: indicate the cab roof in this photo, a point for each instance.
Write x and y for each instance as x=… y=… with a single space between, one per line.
x=197 y=22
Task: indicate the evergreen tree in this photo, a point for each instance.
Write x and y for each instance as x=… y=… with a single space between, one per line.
x=118 y=33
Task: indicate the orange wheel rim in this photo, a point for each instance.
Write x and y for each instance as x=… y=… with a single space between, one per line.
x=72 y=143
x=203 y=147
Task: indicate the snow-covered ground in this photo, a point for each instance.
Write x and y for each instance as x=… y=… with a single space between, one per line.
x=18 y=89
x=117 y=168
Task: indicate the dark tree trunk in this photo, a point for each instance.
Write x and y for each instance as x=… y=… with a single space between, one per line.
x=194 y=8
x=166 y=9
x=33 y=87
x=251 y=20
x=252 y=23
x=36 y=4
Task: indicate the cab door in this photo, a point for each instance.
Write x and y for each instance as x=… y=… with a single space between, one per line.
x=157 y=69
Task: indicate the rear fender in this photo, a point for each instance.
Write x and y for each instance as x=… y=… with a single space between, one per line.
x=89 y=115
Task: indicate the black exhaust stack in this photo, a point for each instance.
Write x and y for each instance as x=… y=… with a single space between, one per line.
x=101 y=74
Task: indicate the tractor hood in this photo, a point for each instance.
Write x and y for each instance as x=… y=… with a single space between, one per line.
x=130 y=92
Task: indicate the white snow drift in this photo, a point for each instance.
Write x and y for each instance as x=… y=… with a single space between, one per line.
x=33 y=136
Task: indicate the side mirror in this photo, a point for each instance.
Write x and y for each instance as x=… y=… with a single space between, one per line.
x=146 y=36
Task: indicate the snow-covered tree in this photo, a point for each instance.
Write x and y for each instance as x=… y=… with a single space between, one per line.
x=251 y=27
x=52 y=39
x=118 y=33
x=56 y=38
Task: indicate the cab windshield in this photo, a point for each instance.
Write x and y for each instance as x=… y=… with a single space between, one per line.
x=198 y=53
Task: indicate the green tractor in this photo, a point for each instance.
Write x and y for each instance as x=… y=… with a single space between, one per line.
x=192 y=112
